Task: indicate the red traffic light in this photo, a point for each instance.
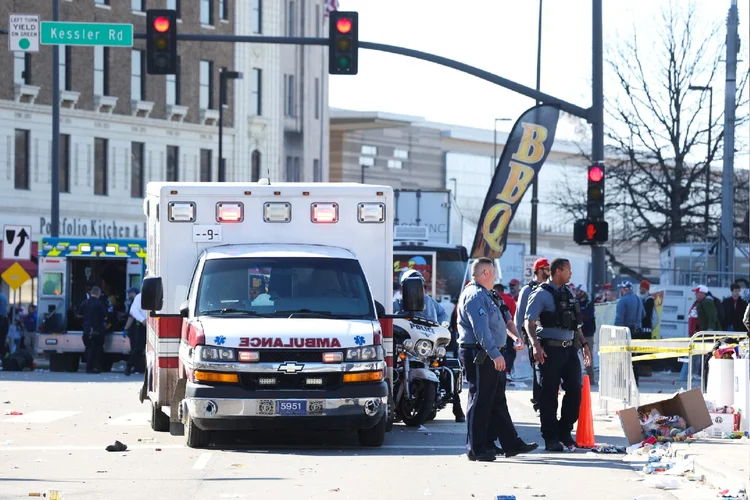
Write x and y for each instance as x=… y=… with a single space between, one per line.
x=590 y=231
x=344 y=25
x=596 y=174
x=161 y=24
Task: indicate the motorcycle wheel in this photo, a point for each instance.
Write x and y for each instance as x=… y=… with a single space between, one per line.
x=432 y=415
x=417 y=411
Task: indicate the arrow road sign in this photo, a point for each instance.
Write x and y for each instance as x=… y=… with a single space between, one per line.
x=17 y=242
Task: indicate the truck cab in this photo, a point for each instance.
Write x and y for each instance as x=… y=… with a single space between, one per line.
x=269 y=308
x=68 y=268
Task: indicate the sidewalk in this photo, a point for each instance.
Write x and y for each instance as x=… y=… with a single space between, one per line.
x=723 y=463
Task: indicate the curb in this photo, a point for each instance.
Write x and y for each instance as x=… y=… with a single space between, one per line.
x=713 y=472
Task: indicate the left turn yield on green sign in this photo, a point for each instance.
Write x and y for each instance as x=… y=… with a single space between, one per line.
x=23 y=33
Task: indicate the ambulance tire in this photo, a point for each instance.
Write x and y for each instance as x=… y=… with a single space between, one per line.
x=159 y=419
x=390 y=416
x=196 y=437
x=64 y=362
x=374 y=436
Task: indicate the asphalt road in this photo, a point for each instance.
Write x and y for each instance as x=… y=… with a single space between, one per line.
x=68 y=419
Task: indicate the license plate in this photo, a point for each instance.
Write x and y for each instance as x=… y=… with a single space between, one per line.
x=291 y=407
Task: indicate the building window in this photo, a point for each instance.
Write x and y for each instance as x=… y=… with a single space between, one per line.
x=369 y=150
x=66 y=75
x=317 y=171
x=255 y=166
x=257 y=16
x=206 y=165
x=257 y=92
x=206 y=97
x=297 y=170
x=101 y=71
x=137 y=170
x=224 y=10
x=64 y=163
x=290 y=19
x=395 y=164
x=173 y=86
x=292 y=169
x=22 y=159
x=289 y=106
x=366 y=161
x=22 y=68
x=137 y=75
x=401 y=153
x=101 y=2
x=207 y=12
x=138 y=5
x=100 y=166
x=174 y=5
x=173 y=163
x=318 y=23
x=317 y=98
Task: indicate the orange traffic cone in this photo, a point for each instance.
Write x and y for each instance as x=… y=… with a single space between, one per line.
x=585 y=429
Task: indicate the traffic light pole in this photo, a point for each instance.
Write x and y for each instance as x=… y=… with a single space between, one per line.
x=596 y=118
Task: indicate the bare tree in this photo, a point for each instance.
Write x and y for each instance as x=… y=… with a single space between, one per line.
x=658 y=155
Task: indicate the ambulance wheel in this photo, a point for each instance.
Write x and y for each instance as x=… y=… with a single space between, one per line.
x=72 y=362
x=196 y=437
x=432 y=415
x=374 y=436
x=105 y=364
x=58 y=362
x=159 y=419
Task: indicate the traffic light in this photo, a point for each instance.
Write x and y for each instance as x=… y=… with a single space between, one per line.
x=595 y=193
x=343 y=43
x=590 y=232
x=161 y=42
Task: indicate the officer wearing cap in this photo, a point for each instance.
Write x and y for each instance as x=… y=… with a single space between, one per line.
x=541 y=274
x=552 y=323
x=481 y=340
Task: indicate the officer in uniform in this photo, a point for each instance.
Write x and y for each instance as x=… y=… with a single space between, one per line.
x=541 y=274
x=94 y=313
x=552 y=322
x=481 y=340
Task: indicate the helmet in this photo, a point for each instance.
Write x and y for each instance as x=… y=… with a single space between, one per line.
x=412 y=273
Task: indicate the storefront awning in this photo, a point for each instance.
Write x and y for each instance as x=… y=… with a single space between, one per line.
x=30 y=266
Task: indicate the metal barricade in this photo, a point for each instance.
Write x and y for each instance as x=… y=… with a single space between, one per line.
x=616 y=377
x=701 y=351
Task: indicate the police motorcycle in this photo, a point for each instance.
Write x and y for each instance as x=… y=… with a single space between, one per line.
x=422 y=384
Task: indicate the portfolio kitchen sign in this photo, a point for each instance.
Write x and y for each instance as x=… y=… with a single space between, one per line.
x=93 y=228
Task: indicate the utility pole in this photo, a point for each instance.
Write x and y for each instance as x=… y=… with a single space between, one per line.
x=710 y=89
x=726 y=256
x=596 y=119
x=224 y=75
x=535 y=182
x=55 y=208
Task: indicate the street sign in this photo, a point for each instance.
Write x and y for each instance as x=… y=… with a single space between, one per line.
x=15 y=276
x=23 y=33
x=17 y=242
x=528 y=267
x=89 y=34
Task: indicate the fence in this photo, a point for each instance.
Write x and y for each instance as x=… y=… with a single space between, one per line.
x=616 y=378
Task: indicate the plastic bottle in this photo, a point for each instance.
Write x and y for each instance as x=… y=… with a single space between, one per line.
x=50 y=494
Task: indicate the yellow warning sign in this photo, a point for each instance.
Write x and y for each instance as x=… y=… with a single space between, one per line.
x=15 y=276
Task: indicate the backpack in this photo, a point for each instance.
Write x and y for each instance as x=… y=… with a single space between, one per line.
x=719 y=309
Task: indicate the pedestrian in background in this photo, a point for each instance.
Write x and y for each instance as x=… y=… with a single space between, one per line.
x=4 y=324
x=734 y=308
x=630 y=313
x=588 y=324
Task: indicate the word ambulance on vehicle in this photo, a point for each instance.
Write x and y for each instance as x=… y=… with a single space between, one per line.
x=270 y=307
x=68 y=269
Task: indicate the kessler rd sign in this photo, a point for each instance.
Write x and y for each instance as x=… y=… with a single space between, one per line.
x=90 y=34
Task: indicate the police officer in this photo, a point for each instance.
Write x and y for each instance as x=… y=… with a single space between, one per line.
x=552 y=322
x=135 y=329
x=481 y=339
x=94 y=313
x=541 y=274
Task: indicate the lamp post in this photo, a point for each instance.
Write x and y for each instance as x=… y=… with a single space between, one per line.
x=494 y=153
x=455 y=201
x=535 y=182
x=224 y=75
x=710 y=89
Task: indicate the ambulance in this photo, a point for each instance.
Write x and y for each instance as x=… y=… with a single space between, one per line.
x=269 y=308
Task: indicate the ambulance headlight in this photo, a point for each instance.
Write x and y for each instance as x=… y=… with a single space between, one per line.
x=181 y=211
x=371 y=212
x=277 y=211
x=229 y=212
x=208 y=353
x=423 y=348
x=324 y=212
x=366 y=353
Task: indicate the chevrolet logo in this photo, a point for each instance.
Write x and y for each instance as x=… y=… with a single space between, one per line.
x=291 y=367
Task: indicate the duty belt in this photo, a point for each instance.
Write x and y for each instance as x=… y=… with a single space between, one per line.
x=477 y=346
x=556 y=343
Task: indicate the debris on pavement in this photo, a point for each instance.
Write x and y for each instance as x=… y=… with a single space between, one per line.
x=609 y=449
x=118 y=446
x=15 y=413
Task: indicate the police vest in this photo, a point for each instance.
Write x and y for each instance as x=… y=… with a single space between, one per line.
x=566 y=314
x=500 y=303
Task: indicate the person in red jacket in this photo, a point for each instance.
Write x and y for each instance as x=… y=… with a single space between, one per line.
x=510 y=353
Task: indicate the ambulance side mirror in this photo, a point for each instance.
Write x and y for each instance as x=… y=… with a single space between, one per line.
x=152 y=294
x=379 y=310
x=185 y=309
x=412 y=295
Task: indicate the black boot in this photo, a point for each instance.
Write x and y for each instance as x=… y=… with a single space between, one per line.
x=458 y=412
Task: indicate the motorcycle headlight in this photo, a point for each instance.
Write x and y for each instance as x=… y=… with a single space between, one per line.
x=424 y=348
x=366 y=353
x=441 y=351
x=408 y=345
x=216 y=354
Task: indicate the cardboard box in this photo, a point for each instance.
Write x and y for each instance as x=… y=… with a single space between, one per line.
x=690 y=405
x=720 y=423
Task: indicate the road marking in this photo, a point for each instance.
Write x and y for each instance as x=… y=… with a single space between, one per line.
x=88 y=448
x=40 y=417
x=202 y=461
x=142 y=418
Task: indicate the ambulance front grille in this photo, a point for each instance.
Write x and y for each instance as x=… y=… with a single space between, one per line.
x=282 y=355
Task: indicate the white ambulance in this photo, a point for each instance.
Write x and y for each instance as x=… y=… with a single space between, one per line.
x=269 y=307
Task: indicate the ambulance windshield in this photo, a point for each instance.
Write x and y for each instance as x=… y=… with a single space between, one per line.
x=279 y=286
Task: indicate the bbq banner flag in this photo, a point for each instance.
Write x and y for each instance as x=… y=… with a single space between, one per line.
x=527 y=148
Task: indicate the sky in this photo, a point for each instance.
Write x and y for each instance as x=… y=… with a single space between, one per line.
x=499 y=36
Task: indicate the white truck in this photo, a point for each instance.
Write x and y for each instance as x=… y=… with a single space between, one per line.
x=269 y=308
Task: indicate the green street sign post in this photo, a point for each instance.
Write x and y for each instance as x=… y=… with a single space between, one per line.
x=88 y=34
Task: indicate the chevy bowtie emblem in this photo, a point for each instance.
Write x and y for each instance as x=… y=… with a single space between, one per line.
x=291 y=367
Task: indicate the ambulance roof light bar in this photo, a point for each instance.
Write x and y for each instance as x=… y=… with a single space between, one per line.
x=277 y=211
x=324 y=213
x=230 y=212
